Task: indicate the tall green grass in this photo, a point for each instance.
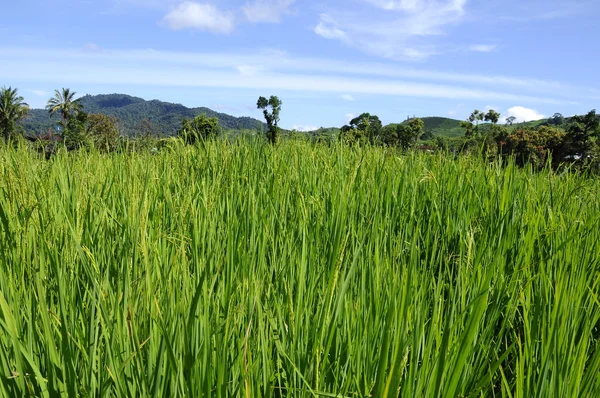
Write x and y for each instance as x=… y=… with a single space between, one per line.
x=242 y=270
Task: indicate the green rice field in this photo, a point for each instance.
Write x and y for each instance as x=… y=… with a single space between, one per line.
x=237 y=269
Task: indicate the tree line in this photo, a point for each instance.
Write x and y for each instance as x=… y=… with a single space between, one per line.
x=75 y=128
x=559 y=142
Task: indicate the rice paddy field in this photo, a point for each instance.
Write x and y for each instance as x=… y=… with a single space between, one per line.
x=242 y=270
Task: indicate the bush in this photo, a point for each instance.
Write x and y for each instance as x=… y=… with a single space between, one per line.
x=198 y=129
x=529 y=145
x=74 y=132
x=103 y=132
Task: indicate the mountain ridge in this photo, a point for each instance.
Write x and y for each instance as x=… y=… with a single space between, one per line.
x=164 y=117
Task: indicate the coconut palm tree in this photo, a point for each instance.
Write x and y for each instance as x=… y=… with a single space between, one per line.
x=64 y=103
x=12 y=110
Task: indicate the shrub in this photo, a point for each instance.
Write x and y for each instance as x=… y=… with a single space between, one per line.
x=198 y=129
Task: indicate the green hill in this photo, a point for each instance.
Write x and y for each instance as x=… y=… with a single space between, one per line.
x=442 y=126
x=535 y=123
x=165 y=117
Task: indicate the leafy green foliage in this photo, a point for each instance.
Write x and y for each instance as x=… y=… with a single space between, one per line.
x=272 y=117
x=577 y=145
x=365 y=128
x=103 y=131
x=471 y=125
x=530 y=146
x=476 y=117
x=65 y=104
x=74 y=132
x=12 y=110
x=469 y=128
x=492 y=116
x=556 y=120
x=582 y=133
x=403 y=135
x=199 y=129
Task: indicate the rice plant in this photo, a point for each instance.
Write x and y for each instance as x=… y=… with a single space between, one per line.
x=299 y=270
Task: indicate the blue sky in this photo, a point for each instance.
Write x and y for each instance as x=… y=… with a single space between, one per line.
x=326 y=60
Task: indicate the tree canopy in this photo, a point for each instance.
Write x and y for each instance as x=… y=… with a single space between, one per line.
x=12 y=110
x=103 y=131
x=272 y=116
x=363 y=128
x=198 y=129
x=64 y=102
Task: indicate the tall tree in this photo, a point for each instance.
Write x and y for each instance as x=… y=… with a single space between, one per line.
x=476 y=117
x=64 y=102
x=409 y=133
x=510 y=120
x=363 y=128
x=580 y=132
x=12 y=110
x=469 y=128
x=272 y=117
x=492 y=116
x=103 y=132
x=557 y=120
x=75 y=133
x=471 y=125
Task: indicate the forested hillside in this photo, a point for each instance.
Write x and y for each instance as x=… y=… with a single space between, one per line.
x=134 y=114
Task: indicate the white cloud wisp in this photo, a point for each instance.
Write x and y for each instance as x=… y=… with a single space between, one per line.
x=396 y=29
x=268 y=11
x=251 y=71
x=191 y=15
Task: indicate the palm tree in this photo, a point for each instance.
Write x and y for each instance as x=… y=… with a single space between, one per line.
x=12 y=110
x=63 y=103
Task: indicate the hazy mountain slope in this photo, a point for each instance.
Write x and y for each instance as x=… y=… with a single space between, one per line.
x=164 y=116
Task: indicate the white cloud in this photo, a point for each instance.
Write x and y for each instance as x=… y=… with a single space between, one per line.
x=396 y=30
x=414 y=54
x=267 y=10
x=250 y=70
x=545 y=10
x=304 y=128
x=255 y=71
x=191 y=15
x=145 y=3
x=92 y=47
x=279 y=61
x=523 y=114
x=328 y=28
x=483 y=48
x=452 y=113
x=40 y=93
x=395 y=5
x=347 y=97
